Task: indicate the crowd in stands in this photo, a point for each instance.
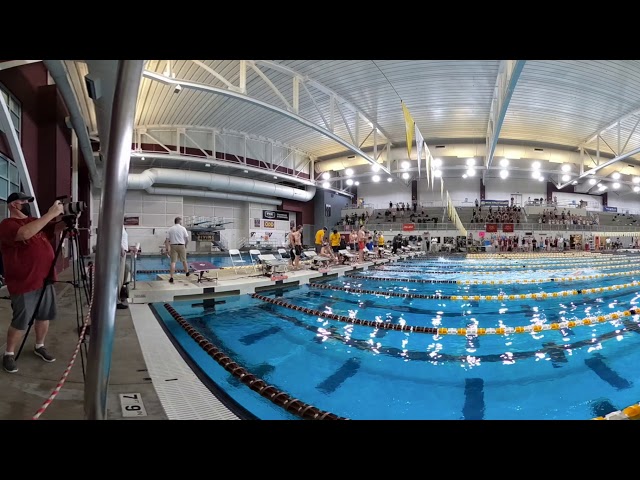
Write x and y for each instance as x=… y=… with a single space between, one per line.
x=553 y=217
x=509 y=214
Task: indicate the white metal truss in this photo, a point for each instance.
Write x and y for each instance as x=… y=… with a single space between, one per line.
x=618 y=150
x=215 y=142
x=284 y=107
x=6 y=125
x=508 y=75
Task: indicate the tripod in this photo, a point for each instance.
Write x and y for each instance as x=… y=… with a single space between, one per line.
x=79 y=280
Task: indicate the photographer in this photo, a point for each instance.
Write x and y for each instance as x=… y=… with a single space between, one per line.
x=28 y=255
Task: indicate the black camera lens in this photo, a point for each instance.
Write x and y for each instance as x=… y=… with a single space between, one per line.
x=74 y=208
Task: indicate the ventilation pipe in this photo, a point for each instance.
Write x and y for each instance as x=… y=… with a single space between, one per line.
x=213 y=181
x=185 y=192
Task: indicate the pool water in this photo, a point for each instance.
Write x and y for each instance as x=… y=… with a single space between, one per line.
x=364 y=372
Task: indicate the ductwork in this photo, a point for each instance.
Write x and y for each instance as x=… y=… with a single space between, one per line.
x=185 y=192
x=513 y=152
x=219 y=183
x=58 y=72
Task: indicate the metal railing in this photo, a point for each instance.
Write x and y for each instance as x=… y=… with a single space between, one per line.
x=530 y=227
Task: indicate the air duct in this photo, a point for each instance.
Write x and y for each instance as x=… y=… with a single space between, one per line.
x=219 y=183
x=185 y=192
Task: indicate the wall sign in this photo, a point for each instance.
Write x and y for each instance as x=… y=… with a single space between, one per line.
x=275 y=215
x=132 y=220
x=269 y=224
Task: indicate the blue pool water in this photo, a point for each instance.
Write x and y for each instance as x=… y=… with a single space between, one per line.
x=362 y=372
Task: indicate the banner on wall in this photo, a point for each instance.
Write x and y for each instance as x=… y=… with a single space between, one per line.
x=275 y=215
x=408 y=227
x=492 y=227
x=507 y=227
x=495 y=203
x=132 y=220
x=609 y=209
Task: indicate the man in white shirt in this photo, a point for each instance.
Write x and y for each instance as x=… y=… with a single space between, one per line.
x=124 y=248
x=176 y=243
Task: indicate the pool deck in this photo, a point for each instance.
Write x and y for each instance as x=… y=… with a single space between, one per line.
x=143 y=361
x=249 y=279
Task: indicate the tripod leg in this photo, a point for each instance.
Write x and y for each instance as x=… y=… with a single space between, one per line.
x=48 y=281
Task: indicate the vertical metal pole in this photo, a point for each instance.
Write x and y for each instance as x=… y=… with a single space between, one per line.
x=114 y=189
x=74 y=177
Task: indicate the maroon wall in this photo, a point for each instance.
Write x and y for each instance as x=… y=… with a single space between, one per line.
x=304 y=210
x=46 y=140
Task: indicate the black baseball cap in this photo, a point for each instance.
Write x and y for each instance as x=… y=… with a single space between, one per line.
x=19 y=196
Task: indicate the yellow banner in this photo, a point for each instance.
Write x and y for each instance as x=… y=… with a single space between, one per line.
x=409 y=126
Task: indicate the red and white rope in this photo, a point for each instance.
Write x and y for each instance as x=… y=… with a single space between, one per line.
x=64 y=376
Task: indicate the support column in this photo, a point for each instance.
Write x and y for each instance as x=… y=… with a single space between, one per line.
x=116 y=173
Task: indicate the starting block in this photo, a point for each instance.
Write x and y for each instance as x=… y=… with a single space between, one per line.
x=201 y=268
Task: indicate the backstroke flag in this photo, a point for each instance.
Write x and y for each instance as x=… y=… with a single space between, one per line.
x=419 y=144
x=409 y=126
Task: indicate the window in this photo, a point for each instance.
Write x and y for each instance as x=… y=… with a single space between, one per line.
x=15 y=109
x=9 y=183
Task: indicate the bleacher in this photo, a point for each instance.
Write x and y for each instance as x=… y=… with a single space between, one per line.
x=377 y=220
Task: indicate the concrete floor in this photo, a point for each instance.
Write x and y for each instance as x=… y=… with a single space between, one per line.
x=24 y=392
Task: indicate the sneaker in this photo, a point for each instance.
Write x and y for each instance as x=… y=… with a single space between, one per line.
x=171 y=280
x=188 y=273
x=9 y=363
x=122 y=306
x=44 y=355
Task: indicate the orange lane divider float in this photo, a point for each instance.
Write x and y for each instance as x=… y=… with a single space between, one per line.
x=276 y=396
x=67 y=370
x=501 y=297
x=472 y=331
x=494 y=282
x=632 y=412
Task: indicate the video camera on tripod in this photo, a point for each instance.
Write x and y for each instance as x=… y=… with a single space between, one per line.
x=71 y=209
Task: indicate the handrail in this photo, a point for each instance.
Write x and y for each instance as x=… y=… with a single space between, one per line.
x=531 y=227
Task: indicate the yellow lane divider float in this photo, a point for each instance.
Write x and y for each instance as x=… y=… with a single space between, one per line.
x=497 y=270
x=471 y=331
x=494 y=282
x=517 y=267
x=501 y=297
x=632 y=412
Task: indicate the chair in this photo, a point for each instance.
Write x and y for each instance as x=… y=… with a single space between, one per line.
x=347 y=254
x=318 y=260
x=253 y=255
x=270 y=264
x=236 y=258
x=284 y=254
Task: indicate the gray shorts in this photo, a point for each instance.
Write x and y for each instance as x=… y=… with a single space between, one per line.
x=24 y=305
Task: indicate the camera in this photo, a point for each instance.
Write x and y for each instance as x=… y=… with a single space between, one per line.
x=71 y=208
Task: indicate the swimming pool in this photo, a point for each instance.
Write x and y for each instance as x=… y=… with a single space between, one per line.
x=531 y=337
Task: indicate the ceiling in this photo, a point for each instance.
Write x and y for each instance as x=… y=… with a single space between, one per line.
x=561 y=104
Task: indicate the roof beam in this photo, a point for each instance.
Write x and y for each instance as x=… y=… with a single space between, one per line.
x=601 y=166
x=239 y=96
x=610 y=126
x=508 y=75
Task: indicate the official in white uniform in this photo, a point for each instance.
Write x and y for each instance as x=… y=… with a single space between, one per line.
x=124 y=248
x=176 y=244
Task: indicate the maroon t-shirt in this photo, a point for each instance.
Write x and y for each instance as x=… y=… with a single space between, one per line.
x=27 y=262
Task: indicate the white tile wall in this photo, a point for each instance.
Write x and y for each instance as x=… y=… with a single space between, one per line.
x=157 y=214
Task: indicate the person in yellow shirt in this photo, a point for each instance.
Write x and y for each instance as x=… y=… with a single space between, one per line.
x=320 y=239
x=380 y=245
x=334 y=240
